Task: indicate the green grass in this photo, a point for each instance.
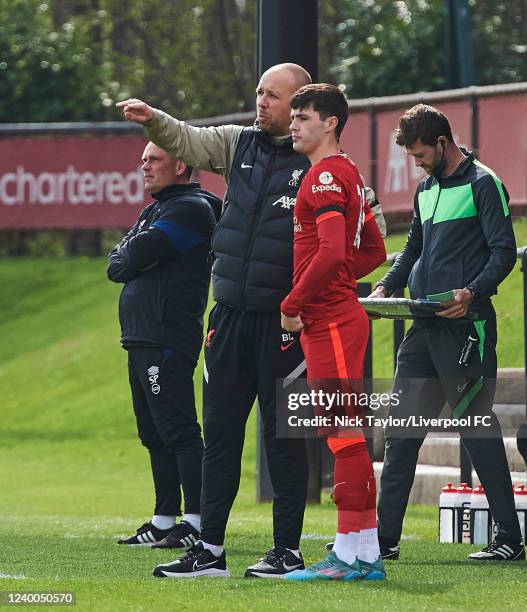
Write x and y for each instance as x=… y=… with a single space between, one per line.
x=73 y=476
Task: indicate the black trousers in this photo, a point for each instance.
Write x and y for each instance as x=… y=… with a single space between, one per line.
x=428 y=374
x=163 y=397
x=244 y=357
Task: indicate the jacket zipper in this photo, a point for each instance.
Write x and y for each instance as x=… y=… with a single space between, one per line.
x=259 y=202
x=425 y=288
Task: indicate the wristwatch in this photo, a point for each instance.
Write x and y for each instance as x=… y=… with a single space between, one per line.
x=475 y=294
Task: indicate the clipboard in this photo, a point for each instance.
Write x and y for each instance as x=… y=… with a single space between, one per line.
x=400 y=308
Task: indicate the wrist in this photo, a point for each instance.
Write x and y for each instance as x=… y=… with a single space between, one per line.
x=382 y=286
x=289 y=314
x=150 y=116
x=286 y=310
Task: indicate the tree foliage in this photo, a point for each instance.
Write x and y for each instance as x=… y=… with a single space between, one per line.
x=190 y=58
x=48 y=71
x=388 y=47
x=71 y=60
x=500 y=40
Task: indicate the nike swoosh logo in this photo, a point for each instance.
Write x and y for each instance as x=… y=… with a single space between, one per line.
x=461 y=388
x=197 y=567
x=284 y=348
x=244 y=165
x=290 y=568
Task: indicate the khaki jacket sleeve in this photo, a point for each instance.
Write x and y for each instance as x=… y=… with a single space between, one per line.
x=377 y=212
x=210 y=148
x=375 y=208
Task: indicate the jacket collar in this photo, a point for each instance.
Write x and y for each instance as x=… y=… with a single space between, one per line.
x=175 y=190
x=285 y=142
x=461 y=169
x=465 y=164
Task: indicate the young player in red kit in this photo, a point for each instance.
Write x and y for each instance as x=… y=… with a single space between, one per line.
x=336 y=241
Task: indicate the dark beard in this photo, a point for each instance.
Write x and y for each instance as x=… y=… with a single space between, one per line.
x=440 y=167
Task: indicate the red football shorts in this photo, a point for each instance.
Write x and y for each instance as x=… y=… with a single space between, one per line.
x=334 y=352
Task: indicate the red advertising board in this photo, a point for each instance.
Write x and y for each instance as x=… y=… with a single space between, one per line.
x=95 y=181
x=70 y=181
x=75 y=182
x=503 y=142
x=355 y=141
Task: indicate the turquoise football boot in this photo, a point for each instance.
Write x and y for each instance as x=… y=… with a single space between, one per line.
x=372 y=571
x=330 y=568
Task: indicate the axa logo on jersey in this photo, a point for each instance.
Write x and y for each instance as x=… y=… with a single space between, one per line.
x=285 y=202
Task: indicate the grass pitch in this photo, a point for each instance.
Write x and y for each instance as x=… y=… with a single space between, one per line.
x=74 y=477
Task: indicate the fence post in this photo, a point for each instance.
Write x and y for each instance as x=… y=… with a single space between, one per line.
x=524 y=270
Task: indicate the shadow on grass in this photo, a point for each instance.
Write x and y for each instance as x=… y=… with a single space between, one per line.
x=11 y=437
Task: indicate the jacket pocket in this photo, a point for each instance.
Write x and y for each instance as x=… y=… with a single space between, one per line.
x=444 y=276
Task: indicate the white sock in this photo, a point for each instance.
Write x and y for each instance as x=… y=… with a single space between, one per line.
x=193 y=519
x=295 y=552
x=215 y=550
x=346 y=546
x=162 y=521
x=369 y=545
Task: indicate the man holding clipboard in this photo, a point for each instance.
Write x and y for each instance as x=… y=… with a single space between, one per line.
x=460 y=247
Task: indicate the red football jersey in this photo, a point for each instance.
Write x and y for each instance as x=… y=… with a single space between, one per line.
x=331 y=187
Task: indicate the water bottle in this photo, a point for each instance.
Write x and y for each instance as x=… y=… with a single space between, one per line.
x=447 y=514
x=462 y=511
x=520 y=501
x=480 y=518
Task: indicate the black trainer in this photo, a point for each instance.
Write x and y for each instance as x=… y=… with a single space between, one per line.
x=277 y=562
x=500 y=551
x=389 y=550
x=197 y=561
x=183 y=535
x=146 y=535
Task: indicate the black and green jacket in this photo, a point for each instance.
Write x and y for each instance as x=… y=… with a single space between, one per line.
x=461 y=236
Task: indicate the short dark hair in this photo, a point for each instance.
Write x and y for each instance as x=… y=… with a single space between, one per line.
x=327 y=100
x=423 y=122
x=188 y=171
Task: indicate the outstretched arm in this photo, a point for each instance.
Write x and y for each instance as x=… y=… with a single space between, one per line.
x=209 y=148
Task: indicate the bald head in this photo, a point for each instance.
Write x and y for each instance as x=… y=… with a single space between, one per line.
x=273 y=93
x=300 y=76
